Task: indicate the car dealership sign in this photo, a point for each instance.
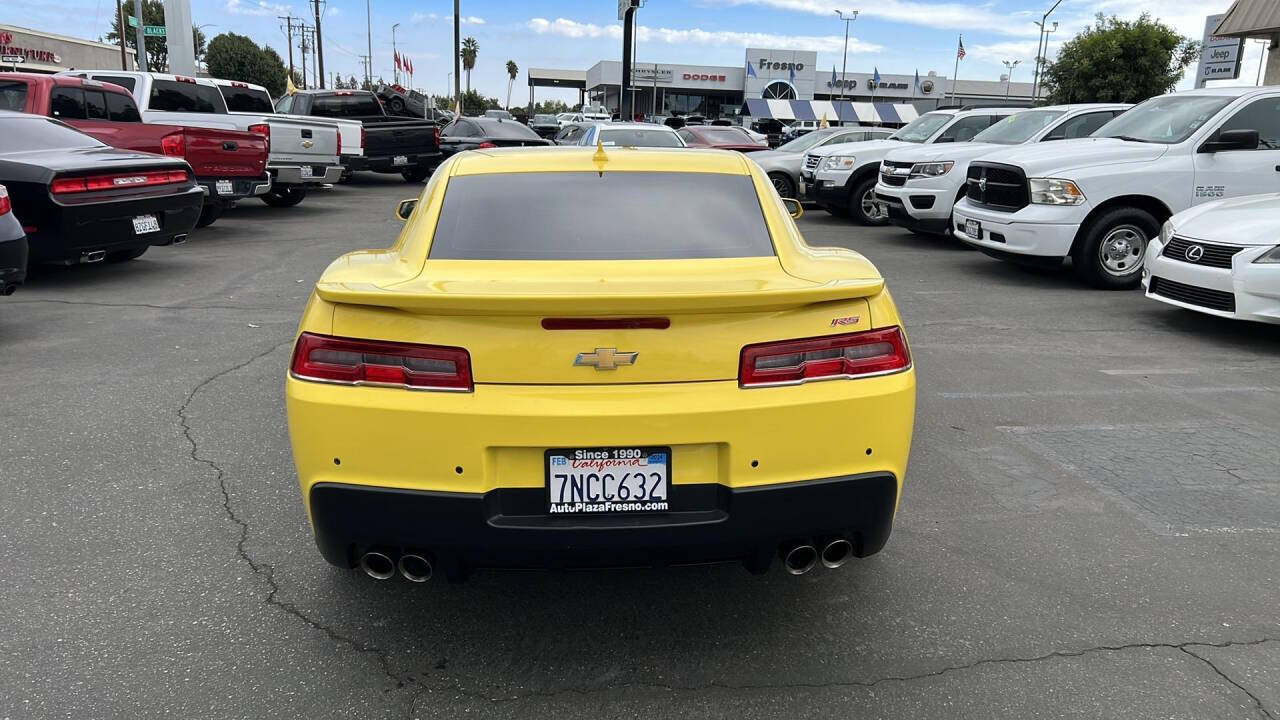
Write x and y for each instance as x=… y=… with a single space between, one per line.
x=1219 y=55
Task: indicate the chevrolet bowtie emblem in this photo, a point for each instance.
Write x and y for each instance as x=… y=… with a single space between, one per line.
x=606 y=358
x=307 y=144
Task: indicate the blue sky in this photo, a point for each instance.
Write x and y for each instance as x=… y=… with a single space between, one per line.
x=896 y=36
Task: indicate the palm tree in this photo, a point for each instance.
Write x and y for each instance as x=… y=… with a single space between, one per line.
x=512 y=71
x=469 y=50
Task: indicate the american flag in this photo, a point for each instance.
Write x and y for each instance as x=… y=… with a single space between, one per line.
x=960 y=50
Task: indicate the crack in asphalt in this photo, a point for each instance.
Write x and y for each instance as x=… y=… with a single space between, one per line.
x=151 y=306
x=263 y=570
x=717 y=685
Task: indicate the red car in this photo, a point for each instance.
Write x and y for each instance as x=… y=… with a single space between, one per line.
x=229 y=164
x=720 y=137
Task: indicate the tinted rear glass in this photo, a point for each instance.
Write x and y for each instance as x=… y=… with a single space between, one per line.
x=506 y=129
x=588 y=216
x=123 y=81
x=345 y=105
x=174 y=96
x=121 y=108
x=246 y=100
x=13 y=95
x=37 y=133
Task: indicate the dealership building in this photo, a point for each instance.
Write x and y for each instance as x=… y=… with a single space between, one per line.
x=767 y=76
x=30 y=50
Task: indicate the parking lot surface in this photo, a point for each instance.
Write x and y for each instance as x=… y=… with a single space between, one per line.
x=1089 y=525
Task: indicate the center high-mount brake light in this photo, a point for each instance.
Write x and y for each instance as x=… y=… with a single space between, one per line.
x=351 y=361
x=851 y=355
x=485 y=145
x=94 y=183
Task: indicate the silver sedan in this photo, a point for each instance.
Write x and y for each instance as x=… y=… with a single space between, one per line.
x=783 y=163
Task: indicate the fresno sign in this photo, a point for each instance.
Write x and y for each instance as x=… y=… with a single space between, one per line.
x=767 y=64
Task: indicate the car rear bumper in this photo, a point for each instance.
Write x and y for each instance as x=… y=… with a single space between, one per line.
x=241 y=188
x=387 y=164
x=79 y=228
x=292 y=174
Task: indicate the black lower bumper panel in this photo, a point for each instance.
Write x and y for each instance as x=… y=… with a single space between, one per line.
x=899 y=216
x=386 y=163
x=510 y=528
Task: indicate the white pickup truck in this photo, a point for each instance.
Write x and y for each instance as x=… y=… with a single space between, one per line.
x=304 y=153
x=842 y=178
x=920 y=184
x=1100 y=200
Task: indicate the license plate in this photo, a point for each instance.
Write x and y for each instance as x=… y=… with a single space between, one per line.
x=225 y=187
x=306 y=172
x=973 y=229
x=607 y=480
x=144 y=224
x=400 y=160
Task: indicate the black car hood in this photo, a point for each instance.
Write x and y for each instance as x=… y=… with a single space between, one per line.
x=93 y=159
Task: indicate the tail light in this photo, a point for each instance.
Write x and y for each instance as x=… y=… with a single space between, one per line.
x=264 y=130
x=349 y=361
x=363 y=144
x=852 y=355
x=172 y=144
x=94 y=183
x=437 y=134
x=485 y=145
x=6 y=205
x=339 y=141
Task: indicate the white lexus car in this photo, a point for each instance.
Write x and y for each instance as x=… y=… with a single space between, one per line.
x=1220 y=258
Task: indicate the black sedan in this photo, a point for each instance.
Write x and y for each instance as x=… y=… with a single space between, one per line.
x=82 y=201
x=13 y=247
x=546 y=126
x=478 y=133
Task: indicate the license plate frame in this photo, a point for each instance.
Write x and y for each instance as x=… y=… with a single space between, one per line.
x=145 y=224
x=400 y=160
x=636 y=492
x=973 y=229
x=225 y=187
x=307 y=172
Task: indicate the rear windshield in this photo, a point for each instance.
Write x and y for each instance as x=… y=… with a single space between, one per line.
x=20 y=134
x=246 y=100
x=610 y=216
x=13 y=95
x=507 y=130
x=174 y=96
x=640 y=137
x=544 y=118
x=345 y=105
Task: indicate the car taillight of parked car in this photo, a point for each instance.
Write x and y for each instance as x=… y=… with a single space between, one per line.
x=172 y=144
x=339 y=141
x=437 y=135
x=6 y=205
x=264 y=130
x=485 y=145
x=363 y=144
x=95 y=183
x=851 y=355
x=351 y=361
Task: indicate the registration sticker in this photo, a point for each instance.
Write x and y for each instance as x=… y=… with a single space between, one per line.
x=608 y=480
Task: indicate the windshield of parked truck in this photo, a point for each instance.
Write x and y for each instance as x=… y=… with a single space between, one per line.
x=922 y=128
x=246 y=99
x=1018 y=127
x=1167 y=119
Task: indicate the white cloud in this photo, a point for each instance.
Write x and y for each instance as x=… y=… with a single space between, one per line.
x=434 y=18
x=952 y=16
x=260 y=8
x=822 y=43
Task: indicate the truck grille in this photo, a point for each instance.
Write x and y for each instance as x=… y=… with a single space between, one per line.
x=811 y=163
x=891 y=179
x=1209 y=255
x=1192 y=295
x=997 y=186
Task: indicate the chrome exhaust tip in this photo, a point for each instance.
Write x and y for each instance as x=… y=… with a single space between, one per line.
x=378 y=565
x=178 y=239
x=798 y=558
x=93 y=256
x=836 y=552
x=416 y=567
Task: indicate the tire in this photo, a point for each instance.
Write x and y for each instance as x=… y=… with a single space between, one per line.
x=417 y=174
x=208 y=214
x=396 y=105
x=1109 y=254
x=284 y=197
x=861 y=209
x=785 y=186
x=126 y=255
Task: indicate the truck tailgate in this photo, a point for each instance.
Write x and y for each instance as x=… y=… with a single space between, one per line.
x=303 y=142
x=225 y=153
x=411 y=137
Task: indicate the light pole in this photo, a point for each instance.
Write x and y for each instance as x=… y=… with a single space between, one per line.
x=368 y=29
x=1010 y=65
x=1035 y=81
x=395 y=69
x=844 y=65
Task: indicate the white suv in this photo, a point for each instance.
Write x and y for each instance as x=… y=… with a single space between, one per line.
x=919 y=185
x=1100 y=200
x=842 y=178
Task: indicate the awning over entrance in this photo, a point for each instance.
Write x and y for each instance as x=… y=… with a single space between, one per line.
x=833 y=110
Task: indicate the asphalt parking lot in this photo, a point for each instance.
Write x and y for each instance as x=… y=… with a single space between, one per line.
x=1089 y=526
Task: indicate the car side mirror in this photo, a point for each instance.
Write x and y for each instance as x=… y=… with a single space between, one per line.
x=1231 y=140
x=405 y=208
x=794 y=207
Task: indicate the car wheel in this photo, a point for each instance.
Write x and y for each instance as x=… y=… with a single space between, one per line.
x=396 y=105
x=417 y=174
x=863 y=207
x=283 y=197
x=209 y=213
x=785 y=186
x=126 y=255
x=1109 y=255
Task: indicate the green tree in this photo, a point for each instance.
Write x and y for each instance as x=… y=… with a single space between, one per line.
x=512 y=71
x=238 y=57
x=470 y=48
x=550 y=107
x=157 y=47
x=1119 y=61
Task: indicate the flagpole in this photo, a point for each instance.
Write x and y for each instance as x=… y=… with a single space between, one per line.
x=956 y=71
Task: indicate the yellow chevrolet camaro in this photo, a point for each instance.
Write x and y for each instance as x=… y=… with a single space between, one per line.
x=596 y=358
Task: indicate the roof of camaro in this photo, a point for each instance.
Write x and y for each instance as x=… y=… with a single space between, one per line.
x=583 y=159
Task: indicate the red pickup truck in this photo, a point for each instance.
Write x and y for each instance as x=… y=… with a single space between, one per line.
x=229 y=164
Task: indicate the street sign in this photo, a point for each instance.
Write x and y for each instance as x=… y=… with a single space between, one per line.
x=1219 y=56
x=154 y=30
x=12 y=59
x=133 y=21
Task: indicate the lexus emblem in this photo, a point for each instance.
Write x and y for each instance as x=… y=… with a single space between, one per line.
x=606 y=359
x=1194 y=253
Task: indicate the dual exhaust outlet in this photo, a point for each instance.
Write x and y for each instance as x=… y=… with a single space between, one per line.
x=800 y=557
x=383 y=564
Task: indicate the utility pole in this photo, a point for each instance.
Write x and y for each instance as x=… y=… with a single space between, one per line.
x=124 y=58
x=288 y=23
x=368 y=29
x=365 y=61
x=142 y=38
x=457 y=59
x=302 y=30
x=319 y=45
x=395 y=68
x=844 y=66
